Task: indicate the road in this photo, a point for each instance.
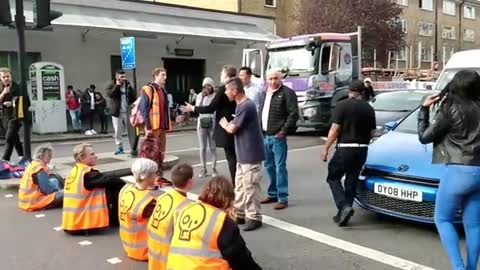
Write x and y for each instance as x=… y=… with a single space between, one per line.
x=300 y=237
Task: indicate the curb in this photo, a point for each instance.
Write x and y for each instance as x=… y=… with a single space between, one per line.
x=14 y=183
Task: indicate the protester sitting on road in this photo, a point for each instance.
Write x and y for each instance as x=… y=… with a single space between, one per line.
x=38 y=189
x=136 y=203
x=205 y=237
x=160 y=226
x=90 y=197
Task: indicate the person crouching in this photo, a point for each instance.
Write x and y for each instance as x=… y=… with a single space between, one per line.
x=136 y=203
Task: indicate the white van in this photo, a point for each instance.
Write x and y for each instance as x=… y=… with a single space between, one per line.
x=460 y=60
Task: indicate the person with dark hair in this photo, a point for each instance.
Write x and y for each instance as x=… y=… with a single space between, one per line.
x=455 y=134
x=229 y=251
x=100 y=108
x=250 y=154
x=222 y=107
x=252 y=90
x=73 y=106
x=353 y=127
x=122 y=94
x=88 y=108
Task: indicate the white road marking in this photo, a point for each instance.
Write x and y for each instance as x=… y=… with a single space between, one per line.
x=59 y=228
x=40 y=215
x=183 y=150
x=323 y=138
x=8 y=195
x=85 y=243
x=114 y=260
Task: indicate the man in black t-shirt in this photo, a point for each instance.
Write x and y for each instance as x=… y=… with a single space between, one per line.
x=353 y=126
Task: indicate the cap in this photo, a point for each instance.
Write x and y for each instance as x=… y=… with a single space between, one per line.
x=356 y=86
x=367 y=80
x=209 y=81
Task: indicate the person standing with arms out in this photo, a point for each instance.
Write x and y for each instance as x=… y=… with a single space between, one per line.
x=250 y=154
x=222 y=107
x=122 y=94
x=455 y=133
x=253 y=91
x=279 y=115
x=9 y=104
x=154 y=108
x=368 y=92
x=73 y=106
x=353 y=127
x=205 y=126
x=88 y=108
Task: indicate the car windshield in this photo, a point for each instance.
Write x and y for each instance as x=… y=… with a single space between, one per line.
x=295 y=59
x=397 y=101
x=447 y=76
x=409 y=124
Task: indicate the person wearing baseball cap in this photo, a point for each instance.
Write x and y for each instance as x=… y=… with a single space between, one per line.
x=353 y=125
x=368 y=92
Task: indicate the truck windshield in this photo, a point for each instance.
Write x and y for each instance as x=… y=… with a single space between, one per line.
x=296 y=59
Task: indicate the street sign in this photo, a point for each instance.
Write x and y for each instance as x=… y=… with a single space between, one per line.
x=127 y=46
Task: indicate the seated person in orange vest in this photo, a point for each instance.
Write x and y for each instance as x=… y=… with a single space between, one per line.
x=90 y=198
x=38 y=189
x=160 y=226
x=136 y=203
x=205 y=237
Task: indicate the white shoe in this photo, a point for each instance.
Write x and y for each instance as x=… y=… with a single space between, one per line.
x=93 y=131
x=88 y=132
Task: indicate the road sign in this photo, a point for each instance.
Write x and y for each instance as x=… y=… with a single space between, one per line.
x=127 y=46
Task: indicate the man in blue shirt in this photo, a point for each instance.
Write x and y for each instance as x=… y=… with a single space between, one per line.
x=250 y=154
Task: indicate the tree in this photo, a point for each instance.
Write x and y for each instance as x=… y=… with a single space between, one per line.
x=382 y=29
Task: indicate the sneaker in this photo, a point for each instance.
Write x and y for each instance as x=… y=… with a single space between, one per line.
x=336 y=218
x=93 y=131
x=252 y=225
x=345 y=216
x=203 y=173
x=88 y=133
x=214 y=172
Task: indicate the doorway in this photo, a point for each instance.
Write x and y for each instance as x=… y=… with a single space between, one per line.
x=183 y=75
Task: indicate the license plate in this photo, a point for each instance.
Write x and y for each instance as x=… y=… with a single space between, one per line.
x=398 y=192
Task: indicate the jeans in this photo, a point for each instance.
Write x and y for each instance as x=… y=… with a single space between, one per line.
x=119 y=125
x=460 y=189
x=348 y=162
x=12 y=139
x=75 y=116
x=276 y=166
x=205 y=139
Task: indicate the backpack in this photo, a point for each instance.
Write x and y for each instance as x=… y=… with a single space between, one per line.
x=136 y=117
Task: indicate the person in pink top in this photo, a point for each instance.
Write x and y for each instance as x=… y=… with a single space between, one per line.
x=73 y=106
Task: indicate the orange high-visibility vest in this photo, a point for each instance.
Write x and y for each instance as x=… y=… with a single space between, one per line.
x=83 y=209
x=154 y=100
x=133 y=226
x=194 y=242
x=30 y=197
x=160 y=228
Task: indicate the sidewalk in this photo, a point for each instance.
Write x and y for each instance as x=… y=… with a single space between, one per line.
x=107 y=162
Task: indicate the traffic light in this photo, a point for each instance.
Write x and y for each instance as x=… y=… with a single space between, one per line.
x=5 y=15
x=42 y=15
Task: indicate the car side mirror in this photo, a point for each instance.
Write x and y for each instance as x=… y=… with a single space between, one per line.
x=390 y=125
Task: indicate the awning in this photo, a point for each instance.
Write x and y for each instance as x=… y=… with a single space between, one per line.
x=82 y=16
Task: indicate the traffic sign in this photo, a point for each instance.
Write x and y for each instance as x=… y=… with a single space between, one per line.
x=127 y=46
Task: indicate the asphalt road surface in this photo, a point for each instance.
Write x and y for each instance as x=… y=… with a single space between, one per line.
x=300 y=237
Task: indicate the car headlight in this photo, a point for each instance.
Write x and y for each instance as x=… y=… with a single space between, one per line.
x=309 y=112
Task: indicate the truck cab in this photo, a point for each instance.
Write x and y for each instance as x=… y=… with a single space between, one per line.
x=318 y=67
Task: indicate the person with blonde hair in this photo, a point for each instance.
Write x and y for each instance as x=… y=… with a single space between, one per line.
x=90 y=197
x=38 y=189
x=205 y=228
x=135 y=204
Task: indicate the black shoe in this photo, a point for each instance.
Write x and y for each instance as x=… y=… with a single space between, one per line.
x=240 y=221
x=345 y=216
x=252 y=225
x=336 y=218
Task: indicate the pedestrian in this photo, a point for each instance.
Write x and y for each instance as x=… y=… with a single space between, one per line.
x=160 y=226
x=353 y=126
x=252 y=90
x=192 y=97
x=100 y=108
x=222 y=107
x=205 y=127
x=90 y=199
x=73 y=106
x=9 y=99
x=279 y=115
x=135 y=204
x=455 y=134
x=38 y=189
x=122 y=94
x=207 y=238
x=250 y=153
x=368 y=92
x=154 y=108
x=88 y=108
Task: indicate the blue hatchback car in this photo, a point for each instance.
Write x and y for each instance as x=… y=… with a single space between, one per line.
x=399 y=178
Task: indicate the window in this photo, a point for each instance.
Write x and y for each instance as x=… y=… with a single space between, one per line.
x=426 y=4
x=469 y=12
x=401 y=2
x=426 y=55
x=271 y=3
x=469 y=35
x=401 y=55
x=10 y=60
x=448 y=32
x=425 y=29
x=449 y=7
x=404 y=23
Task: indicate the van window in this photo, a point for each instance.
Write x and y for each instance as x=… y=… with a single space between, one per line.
x=447 y=76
